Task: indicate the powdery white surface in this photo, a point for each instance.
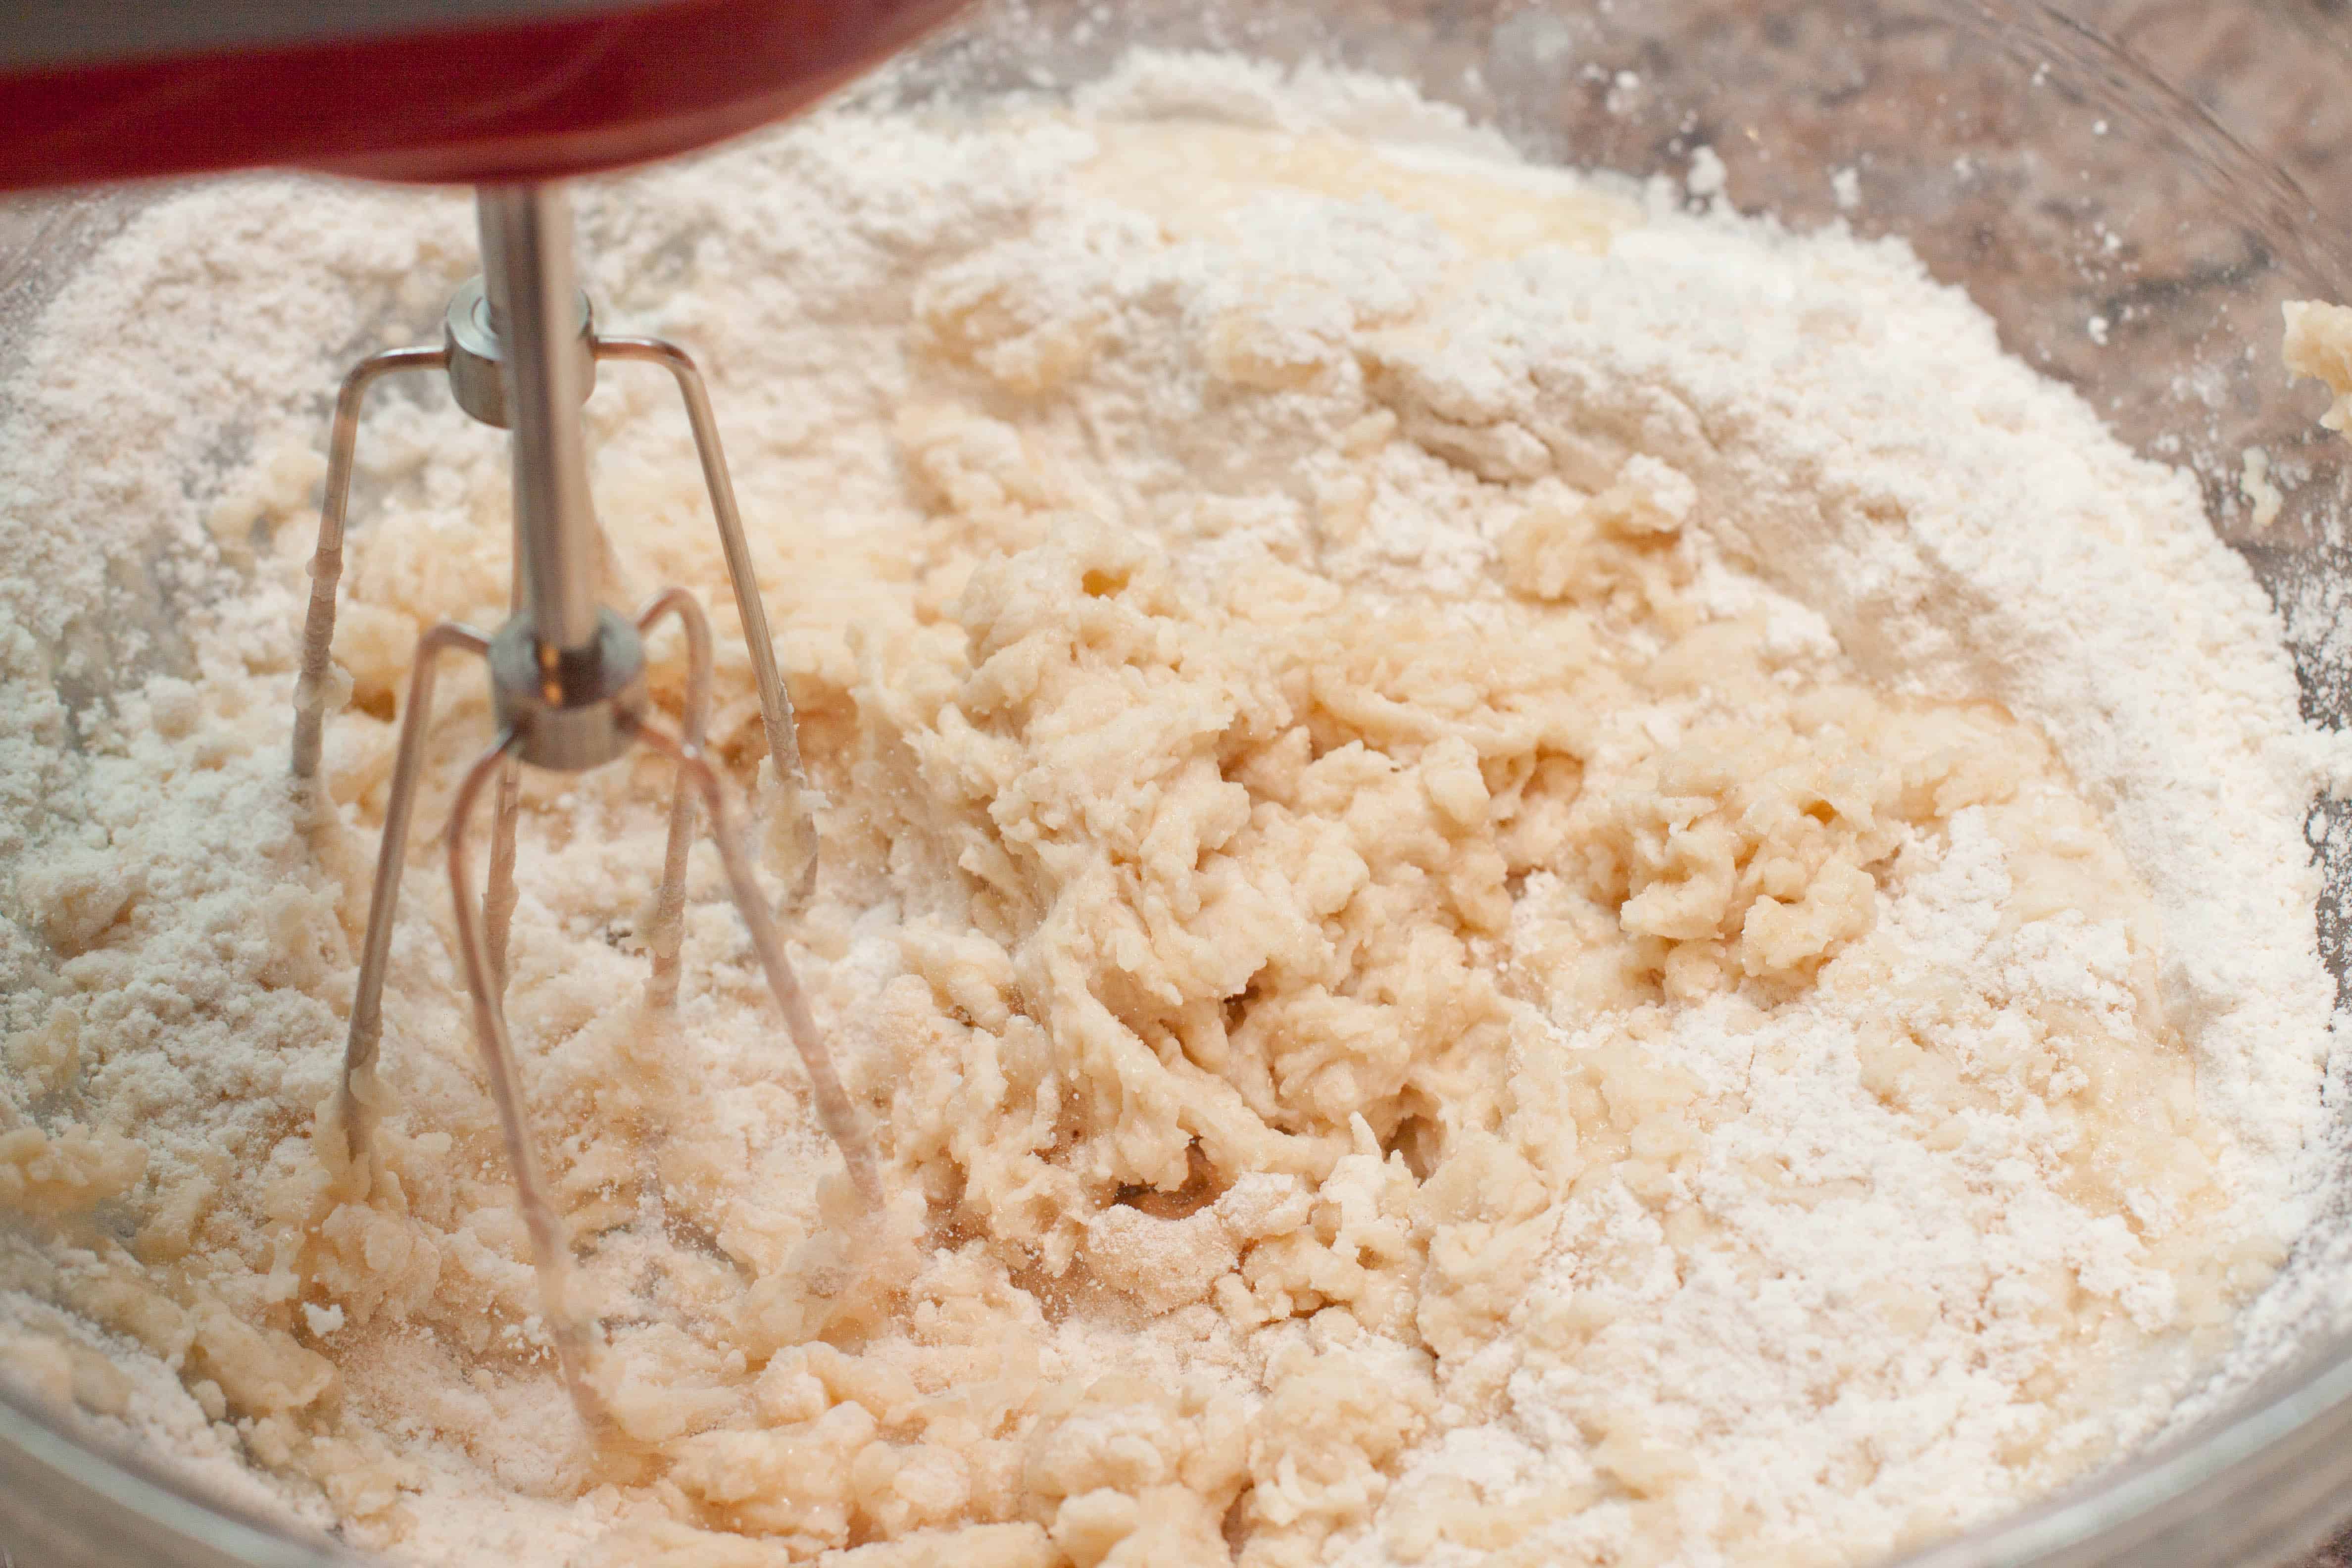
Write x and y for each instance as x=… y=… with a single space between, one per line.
x=1513 y=871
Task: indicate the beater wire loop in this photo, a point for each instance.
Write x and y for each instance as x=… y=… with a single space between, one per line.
x=327 y=562
x=834 y=1109
x=574 y=1336
x=383 y=899
x=775 y=702
x=666 y=929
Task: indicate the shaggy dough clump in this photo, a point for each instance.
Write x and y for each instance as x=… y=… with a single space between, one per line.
x=1352 y=911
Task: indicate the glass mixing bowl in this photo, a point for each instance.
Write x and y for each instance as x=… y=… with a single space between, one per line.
x=2068 y=166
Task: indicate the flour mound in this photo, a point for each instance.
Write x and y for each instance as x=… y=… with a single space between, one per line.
x=1513 y=870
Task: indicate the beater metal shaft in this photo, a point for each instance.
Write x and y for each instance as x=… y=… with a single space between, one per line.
x=527 y=268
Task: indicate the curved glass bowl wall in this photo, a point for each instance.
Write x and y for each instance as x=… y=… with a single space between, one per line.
x=2124 y=241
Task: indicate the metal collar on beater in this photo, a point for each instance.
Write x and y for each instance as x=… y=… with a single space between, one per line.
x=567 y=693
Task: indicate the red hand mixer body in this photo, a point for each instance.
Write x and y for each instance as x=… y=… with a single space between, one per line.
x=456 y=90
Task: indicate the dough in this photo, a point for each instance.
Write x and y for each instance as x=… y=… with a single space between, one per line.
x=1268 y=928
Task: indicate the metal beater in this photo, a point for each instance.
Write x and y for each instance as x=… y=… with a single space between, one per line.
x=567 y=692
x=504 y=95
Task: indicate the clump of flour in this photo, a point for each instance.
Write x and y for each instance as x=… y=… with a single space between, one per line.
x=1511 y=872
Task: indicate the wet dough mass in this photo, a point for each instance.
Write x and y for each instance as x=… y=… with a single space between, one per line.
x=1336 y=898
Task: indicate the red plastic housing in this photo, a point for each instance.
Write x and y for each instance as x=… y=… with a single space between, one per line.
x=513 y=100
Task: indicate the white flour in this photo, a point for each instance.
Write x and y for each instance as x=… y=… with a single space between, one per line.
x=1513 y=871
